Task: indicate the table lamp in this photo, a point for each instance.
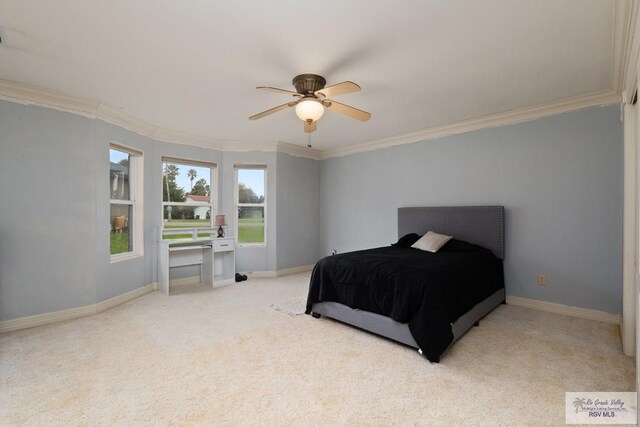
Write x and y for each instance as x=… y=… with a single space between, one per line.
x=220 y=222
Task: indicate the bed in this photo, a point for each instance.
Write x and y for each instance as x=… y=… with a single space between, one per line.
x=423 y=300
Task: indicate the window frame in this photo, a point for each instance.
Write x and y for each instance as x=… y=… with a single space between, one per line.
x=213 y=188
x=136 y=196
x=238 y=205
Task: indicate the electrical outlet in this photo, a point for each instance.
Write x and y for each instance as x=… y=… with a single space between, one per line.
x=542 y=280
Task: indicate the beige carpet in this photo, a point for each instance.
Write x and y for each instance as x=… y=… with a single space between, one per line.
x=226 y=357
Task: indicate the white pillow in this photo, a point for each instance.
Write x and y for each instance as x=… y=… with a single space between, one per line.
x=431 y=242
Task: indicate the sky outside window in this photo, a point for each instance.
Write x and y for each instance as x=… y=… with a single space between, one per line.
x=252 y=178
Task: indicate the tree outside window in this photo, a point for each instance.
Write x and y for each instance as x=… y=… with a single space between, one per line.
x=187 y=199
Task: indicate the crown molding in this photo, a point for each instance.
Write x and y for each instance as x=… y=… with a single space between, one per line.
x=29 y=95
x=632 y=50
x=177 y=137
x=280 y=147
x=299 y=151
x=119 y=118
x=494 y=120
x=623 y=23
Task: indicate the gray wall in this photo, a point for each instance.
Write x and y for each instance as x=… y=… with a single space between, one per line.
x=116 y=278
x=54 y=214
x=298 y=211
x=47 y=211
x=559 y=178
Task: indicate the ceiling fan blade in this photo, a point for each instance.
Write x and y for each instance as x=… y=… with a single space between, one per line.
x=353 y=112
x=339 y=89
x=272 y=110
x=277 y=90
x=310 y=127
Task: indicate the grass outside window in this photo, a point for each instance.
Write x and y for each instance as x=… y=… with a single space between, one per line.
x=119 y=243
x=251 y=230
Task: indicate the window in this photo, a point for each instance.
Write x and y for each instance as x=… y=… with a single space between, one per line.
x=251 y=205
x=187 y=196
x=125 y=216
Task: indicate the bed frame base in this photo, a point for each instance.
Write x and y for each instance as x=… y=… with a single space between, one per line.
x=389 y=328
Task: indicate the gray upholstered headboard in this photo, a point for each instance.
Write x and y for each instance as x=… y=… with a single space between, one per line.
x=481 y=225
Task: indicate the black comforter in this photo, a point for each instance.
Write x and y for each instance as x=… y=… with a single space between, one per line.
x=429 y=291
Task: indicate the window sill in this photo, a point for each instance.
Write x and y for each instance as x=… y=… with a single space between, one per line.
x=124 y=257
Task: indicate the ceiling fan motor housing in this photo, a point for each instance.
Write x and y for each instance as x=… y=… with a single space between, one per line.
x=307 y=84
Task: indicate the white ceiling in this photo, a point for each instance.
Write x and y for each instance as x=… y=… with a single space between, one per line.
x=192 y=66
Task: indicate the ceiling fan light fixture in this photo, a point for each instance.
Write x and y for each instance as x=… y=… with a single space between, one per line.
x=309 y=109
x=311 y=101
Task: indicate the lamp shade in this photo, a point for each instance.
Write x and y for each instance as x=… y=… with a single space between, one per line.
x=220 y=221
x=309 y=109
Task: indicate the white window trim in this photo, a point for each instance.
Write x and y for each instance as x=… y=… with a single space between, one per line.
x=136 y=192
x=213 y=188
x=237 y=205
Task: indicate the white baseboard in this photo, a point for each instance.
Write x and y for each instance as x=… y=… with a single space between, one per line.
x=260 y=274
x=280 y=273
x=294 y=270
x=567 y=310
x=74 y=313
x=196 y=280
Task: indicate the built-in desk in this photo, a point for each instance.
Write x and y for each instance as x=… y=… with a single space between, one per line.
x=216 y=256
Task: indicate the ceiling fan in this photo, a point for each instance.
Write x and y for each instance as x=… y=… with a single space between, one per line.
x=312 y=98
